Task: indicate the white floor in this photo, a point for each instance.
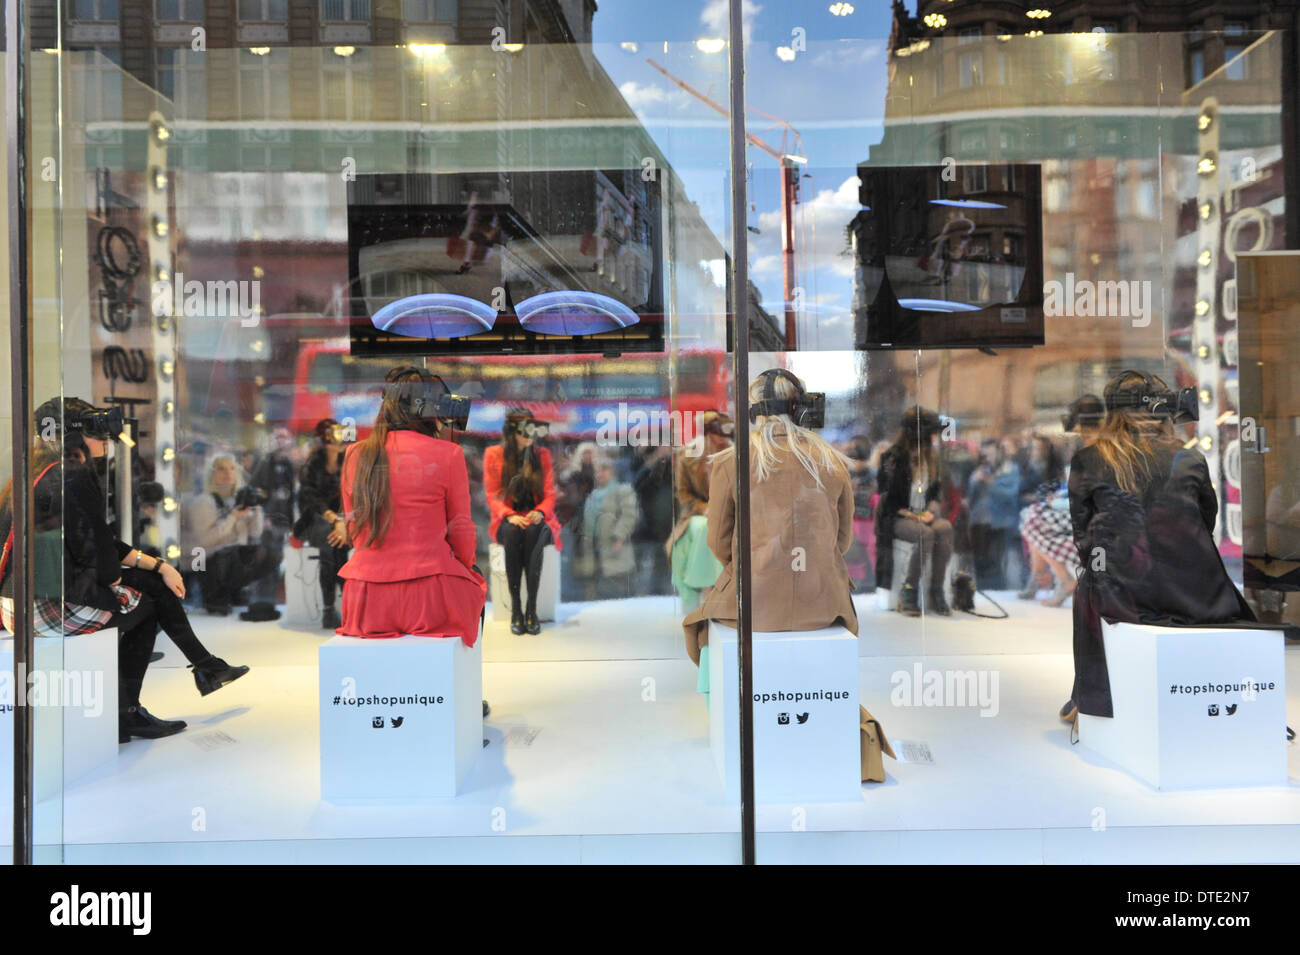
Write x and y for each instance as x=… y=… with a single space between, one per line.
x=582 y=767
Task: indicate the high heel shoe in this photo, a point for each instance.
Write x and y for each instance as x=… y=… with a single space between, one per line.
x=214 y=673
x=531 y=623
x=1060 y=595
x=516 y=620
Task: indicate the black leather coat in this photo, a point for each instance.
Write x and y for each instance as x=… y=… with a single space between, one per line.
x=1147 y=558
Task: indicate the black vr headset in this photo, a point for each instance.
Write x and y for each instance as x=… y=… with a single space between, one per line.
x=74 y=414
x=807 y=409
x=427 y=397
x=1155 y=398
x=521 y=421
x=1086 y=409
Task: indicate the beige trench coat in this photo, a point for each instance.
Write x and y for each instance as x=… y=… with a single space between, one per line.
x=798 y=538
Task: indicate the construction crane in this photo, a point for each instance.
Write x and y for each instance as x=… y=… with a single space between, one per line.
x=790 y=163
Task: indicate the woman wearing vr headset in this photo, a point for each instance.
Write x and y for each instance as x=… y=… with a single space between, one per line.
x=320 y=518
x=105 y=582
x=1143 y=509
x=802 y=510
x=694 y=568
x=405 y=495
x=520 y=485
x=910 y=492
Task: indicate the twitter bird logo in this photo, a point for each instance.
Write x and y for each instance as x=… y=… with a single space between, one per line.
x=397 y=721
x=802 y=718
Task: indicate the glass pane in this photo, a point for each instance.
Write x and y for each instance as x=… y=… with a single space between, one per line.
x=989 y=231
x=544 y=225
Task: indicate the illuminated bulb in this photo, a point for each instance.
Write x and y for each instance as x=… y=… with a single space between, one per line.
x=125 y=439
x=259 y=50
x=1205 y=258
x=841 y=9
x=258 y=271
x=1202 y=307
x=159 y=179
x=1206 y=442
x=168 y=454
x=428 y=49
x=512 y=47
x=160 y=131
x=169 y=504
x=1203 y=352
x=1038 y=13
x=173 y=551
x=256 y=345
x=1205 y=396
x=164 y=323
x=1206 y=166
x=708 y=44
x=160 y=227
x=168 y=408
x=785 y=54
x=1204 y=121
x=165 y=368
x=1034 y=33
x=344 y=50
x=160 y=273
x=260 y=418
x=259 y=381
x=1206 y=209
x=935 y=21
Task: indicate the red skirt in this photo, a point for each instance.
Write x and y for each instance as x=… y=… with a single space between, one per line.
x=439 y=605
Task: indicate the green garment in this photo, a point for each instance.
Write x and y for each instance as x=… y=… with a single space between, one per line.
x=693 y=565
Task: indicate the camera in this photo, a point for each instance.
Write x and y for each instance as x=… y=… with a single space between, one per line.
x=807 y=409
x=250 y=497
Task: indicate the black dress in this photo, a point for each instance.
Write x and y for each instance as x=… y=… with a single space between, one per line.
x=894 y=483
x=318 y=492
x=1147 y=558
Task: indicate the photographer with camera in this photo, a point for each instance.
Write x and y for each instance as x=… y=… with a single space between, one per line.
x=520 y=485
x=320 y=512
x=405 y=496
x=105 y=582
x=226 y=523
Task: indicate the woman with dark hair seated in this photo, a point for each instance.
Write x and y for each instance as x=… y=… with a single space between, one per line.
x=320 y=521
x=520 y=485
x=105 y=582
x=1143 y=508
x=406 y=499
x=910 y=492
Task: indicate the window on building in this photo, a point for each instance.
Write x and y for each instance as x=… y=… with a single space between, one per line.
x=1195 y=57
x=1233 y=47
x=256 y=11
x=345 y=86
x=969 y=34
x=975 y=178
x=969 y=70
x=429 y=11
x=181 y=78
x=186 y=11
x=94 y=10
x=262 y=82
x=1004 y=69
x=336 y=10
x=102 y=82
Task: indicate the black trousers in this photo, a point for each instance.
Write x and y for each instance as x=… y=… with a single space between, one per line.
x=524 y=547
x=332 y=559
x=137 y=630
x=233 y=568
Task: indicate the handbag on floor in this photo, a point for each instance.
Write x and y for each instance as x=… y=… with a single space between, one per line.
x=874 y=747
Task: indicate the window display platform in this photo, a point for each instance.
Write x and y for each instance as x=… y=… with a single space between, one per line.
x=608 y=760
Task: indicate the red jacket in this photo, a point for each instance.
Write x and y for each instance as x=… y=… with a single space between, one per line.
x=430 y=531
x=493 y=460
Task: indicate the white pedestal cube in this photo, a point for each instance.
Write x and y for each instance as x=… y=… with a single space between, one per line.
x=806 y=745
x=302 y=600
x=1194 y=708
x=401 y=720
x=548 y=588
x=73 y=696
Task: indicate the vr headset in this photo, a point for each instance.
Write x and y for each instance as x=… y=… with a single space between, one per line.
x=101 y=423
x=428 y=397
x=1079 y=412
x=1156 y=399
x=521 y=421
x=807 y=409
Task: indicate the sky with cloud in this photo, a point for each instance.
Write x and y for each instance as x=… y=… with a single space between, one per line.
x=823 y=75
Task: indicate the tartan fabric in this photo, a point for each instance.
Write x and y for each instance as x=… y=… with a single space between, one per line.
x=1050 y=531
x=53 y=618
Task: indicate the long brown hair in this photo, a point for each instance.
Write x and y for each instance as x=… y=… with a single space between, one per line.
x=44 y=453
x=372 y=509
x=1128 y=437
x=521 y=473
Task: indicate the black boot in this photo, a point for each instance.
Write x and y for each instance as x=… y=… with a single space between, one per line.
x=531 y=623
x=516 y=619
x=938 y=604
x=137 y=722
x=214 y=673
x=907 y=602
x=330 y=619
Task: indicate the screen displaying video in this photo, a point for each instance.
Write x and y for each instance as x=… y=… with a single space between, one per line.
x=505 y=263
x=949 y=256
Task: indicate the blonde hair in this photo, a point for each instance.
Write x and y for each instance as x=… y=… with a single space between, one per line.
x=212 y=467
x=766 y=447
x=1127 y=437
